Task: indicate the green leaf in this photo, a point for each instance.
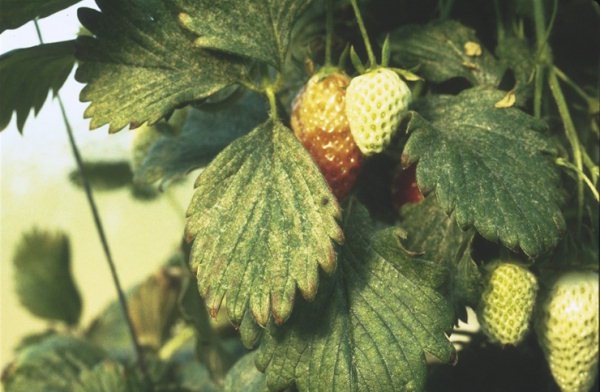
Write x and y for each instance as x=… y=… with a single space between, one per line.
x=489 y=168
x=43 y=278
x=516 y=54
x=370 y=325
x=263 y=219
x=141 y=65
x=51 y=365
x=438 y=51
x=435 y=236
x=256 y=29
x=28 y=75
x=152 y=309
x=146 y=136
x=210 y=348
x=16 y=13
x=107 y=377
x=204 y=135
x=33 y=339
x=195 y=377
x=244 y=376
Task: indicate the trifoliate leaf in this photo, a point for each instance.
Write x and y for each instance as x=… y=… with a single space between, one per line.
x=203 y=136
x=488 y=167
x=435 y=236
x=28 y=75
x=52 y=365
x=256 y=29
x=370 y=325
x=444 y=50
x=152 y=309
x=16 y=13
x=142 y=65
x=43 y=278
x=244 y=376
x=107 y=377
x=263 y=219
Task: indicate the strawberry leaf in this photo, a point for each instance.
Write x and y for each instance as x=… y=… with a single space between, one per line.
x=262 y=219
x=516 y=54
x=152 y=308
x=107 y=377
x=51 y=365
x=435 y=236
x=43 y=278
x=244 y=376
x=28 y=75
x=370 y=325
x=256 y=29
x=439 y=53
x=16 y=13
x=141 y=64
x=204 y=135
x=488 y=167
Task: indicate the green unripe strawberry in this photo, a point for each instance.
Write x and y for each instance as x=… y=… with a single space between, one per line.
x=507 y=303
x=375 y=102
x=567 y=329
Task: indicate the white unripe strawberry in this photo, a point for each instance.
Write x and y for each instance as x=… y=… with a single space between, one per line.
x=507 y=302
x=375 y=103
x=567 y=329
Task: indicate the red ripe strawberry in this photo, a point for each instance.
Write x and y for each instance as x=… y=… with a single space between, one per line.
x=405 y=188
x=319 y=121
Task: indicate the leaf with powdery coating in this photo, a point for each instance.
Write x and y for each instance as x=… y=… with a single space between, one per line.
x=370 y=325
x=444 y=50
x=259 y=29
x=490 y=167
x=263 y=220
x=141 y=65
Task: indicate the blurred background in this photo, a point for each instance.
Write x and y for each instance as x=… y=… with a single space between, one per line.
x=35 y=191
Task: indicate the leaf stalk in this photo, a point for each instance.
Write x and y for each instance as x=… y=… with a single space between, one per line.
x=363 y=32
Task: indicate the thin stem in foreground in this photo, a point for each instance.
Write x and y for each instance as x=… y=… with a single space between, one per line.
x=100 y=229
x=363 y=32
x=329 y=32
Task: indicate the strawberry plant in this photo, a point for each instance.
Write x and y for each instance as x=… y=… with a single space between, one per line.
x=370 y=170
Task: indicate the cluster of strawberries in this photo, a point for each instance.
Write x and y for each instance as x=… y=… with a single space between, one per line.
x=340 y=121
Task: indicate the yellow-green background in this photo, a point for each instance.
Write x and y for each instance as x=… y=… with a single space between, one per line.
x=35 y=191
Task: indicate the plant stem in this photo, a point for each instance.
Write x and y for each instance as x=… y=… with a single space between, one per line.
x=562 y=76
x=272 y=103
x=100 y=229
x=329 y=36
x=363 y=32
x=571 y=134
x=542 y=58
x=589 y=183
x=538 y=91
x=445 y=7
x=545 y=59
x=540 y=25
x=499 y=22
